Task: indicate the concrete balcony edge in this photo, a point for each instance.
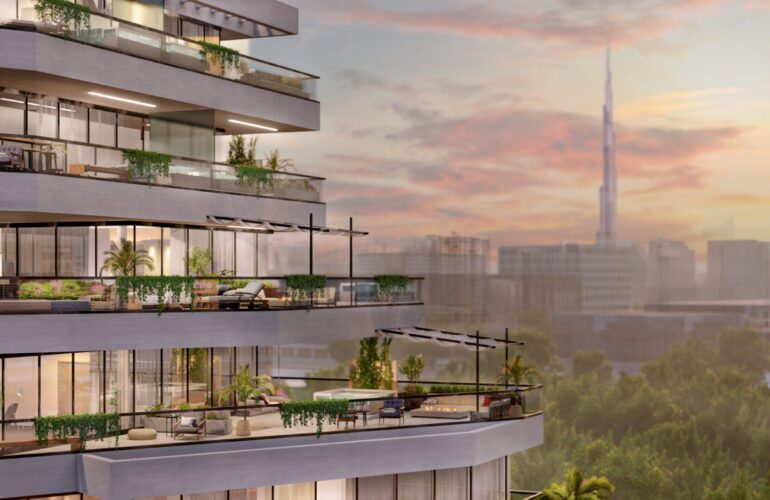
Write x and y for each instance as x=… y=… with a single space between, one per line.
x=44 y=197
x=96 y=331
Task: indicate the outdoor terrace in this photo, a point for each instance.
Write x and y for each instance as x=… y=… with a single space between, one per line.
x=128 y=38
x=265 y=422
x=77 y=160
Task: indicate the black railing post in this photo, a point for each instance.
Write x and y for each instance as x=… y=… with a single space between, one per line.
x=505 y=366
x=311 y=254
x=350 y=270
x=478 y=387
x=311 y=243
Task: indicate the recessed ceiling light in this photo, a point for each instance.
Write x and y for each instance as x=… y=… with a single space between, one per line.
x=263 y=127
x=123 y=99
x=45 y=106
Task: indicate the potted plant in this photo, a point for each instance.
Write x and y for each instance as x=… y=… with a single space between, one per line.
x=245 y=386
x=516 y=372
x=412 y=368
x=122 y=260
x=199 y=261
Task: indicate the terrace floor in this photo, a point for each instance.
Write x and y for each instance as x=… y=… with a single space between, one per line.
x=262 y=426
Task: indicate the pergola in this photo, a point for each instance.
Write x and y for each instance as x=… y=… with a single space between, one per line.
x=475 y=342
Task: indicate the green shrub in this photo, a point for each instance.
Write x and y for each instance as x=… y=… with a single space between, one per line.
x=143 y=164
x=305 y=412
x=99 y=425
x=143 y=286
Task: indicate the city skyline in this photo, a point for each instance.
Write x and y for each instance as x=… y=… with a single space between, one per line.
x=509 y=147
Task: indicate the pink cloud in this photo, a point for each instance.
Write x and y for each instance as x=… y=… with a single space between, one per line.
x=587 y=22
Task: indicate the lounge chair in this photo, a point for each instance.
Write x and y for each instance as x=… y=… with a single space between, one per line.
x=10 y=413
x=392 y=408
x=189 y=426
x=234 y=299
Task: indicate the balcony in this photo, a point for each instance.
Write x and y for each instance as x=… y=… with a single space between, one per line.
x=83 y=315
x=153 y=70
x=274 y=454
x=133 y=39
x=56 y=158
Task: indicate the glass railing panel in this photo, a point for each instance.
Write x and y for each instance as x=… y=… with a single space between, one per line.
x=150 y=44
x=91 y=294
x=105 y=163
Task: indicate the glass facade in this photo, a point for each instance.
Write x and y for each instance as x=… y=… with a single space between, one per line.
x=488 y=484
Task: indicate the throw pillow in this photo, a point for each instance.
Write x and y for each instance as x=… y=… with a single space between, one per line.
x=222 y=289
x=188 y=422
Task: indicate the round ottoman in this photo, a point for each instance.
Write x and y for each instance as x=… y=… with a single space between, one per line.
x=142 y=434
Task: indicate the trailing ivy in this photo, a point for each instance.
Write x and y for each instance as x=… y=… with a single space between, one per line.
x=98 y=425
x=142 y=164
x=302 y=286
x=253 y=176
x=64 y=13
x=144 y=286
x=306 y=412
x=391 y=284
x=219 y=54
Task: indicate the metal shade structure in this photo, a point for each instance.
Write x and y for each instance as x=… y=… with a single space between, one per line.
x=267 y=226
x=445 y=338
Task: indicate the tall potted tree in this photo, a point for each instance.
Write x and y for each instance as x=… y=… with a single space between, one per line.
x=246 y=386
x=412 y=368
x=122 y=260
x=516 y=372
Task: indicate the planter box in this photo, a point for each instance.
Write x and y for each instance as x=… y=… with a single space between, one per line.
x=219 y=427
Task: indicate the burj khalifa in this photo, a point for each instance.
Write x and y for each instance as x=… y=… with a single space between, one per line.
x=608 y=196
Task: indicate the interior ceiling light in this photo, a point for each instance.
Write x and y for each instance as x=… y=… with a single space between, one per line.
x=45 y=106
x=122 y=99
x=263 y=127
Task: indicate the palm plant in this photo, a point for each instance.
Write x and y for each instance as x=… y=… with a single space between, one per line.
x=246 y=386
x=274 y=162
x=575 y=487
x=122 y=260
x=514 y=370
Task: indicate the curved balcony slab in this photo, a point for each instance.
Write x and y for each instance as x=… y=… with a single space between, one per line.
x=96 y=331
x=31 y=197
x=50 y=65
x=174 y=470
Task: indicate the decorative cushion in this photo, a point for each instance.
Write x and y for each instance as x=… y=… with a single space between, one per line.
x=390 y=411
x=231 y=293
x=142 y=434
x=487 y=400
x=222 y=288
x=188 y=422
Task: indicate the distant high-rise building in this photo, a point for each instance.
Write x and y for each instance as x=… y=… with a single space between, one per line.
x=454 y=268
x=608 y=204
x=670 y=271
x=739 y=269
x=575 y=277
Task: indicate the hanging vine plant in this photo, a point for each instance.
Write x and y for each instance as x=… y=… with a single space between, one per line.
x=98 y=425
x=143 y=164
x=144 y=286
x=219 y=55
x=68 y=15
x=253 y=176
x=306 y=412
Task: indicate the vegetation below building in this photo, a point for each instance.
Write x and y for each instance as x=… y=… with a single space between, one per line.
x=694 y=424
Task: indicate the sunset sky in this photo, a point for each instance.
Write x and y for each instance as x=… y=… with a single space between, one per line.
x=484 y=117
